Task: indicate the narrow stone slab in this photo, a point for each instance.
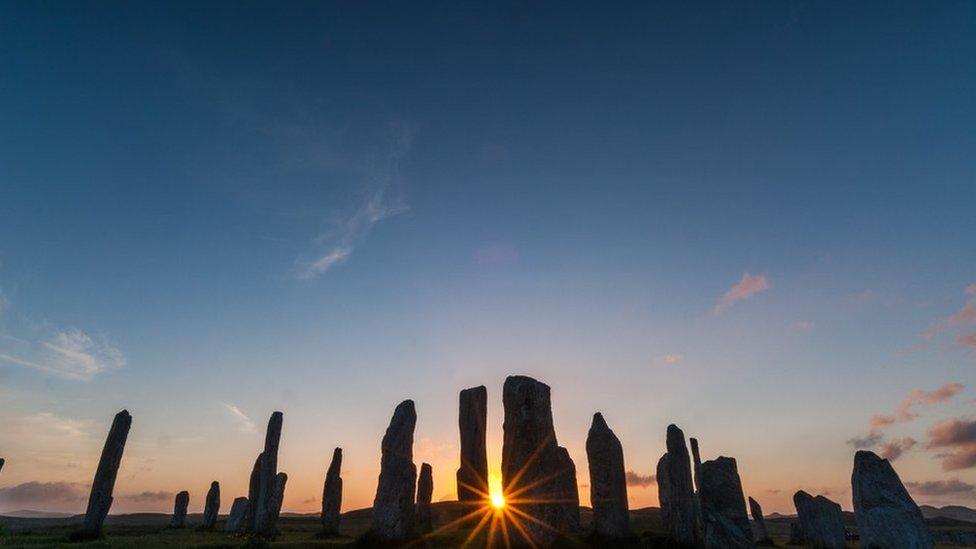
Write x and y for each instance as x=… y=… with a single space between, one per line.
x=393 y=507
x=472 y=476
x=821 y=521
x=277 y=498
x=887 y=516
x=676 y=491
x=100 y=500
x=253 y=489
x=758 y=522
x=332 y=495
x=265 y=516
x=608 y=481
x=212 y=506
x=179 y=510
x=425 y=491
x=696 y=461
x=723 y=506
x=238 y=514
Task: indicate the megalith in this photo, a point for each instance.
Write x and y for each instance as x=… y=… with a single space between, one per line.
x=886 y=515
x=608 y=481
x=238 y=515
x=758 y=523
x=723 y=506
x=821 y=521
x=179 y=510
x=676 y=492
x=332 y=495
x=472 y=476
x=211 y=506
x=425 y=491
x=393 y=507
x=100 y=500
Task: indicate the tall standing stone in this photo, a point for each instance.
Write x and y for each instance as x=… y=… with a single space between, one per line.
x=608 y=481
x=238 y=516
x=887 y=516
x=212 y=506
x=332 y=495
x=100 y=500
x=179 y=510
x=796 y=534
x=696 y=460
x=723 y=506
x=277 y=498
x=472 y=476
x=425 y=491
x=758 y=522
x=2 y=461
x=253 y=488
x=538 y=476
x=393 y=507
x=265 y=516
x=676 y=492
x=821 y=521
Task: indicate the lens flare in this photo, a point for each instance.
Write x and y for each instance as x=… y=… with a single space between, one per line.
x=498 y=501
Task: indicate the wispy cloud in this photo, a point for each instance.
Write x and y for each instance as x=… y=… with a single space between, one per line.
x=941 y=488
x=639 y=480
x=245 y=425
x=965 y=316
x=672 y=358
x=894 y=449
x=869 y=440
x=71 y=354
x=42 y=494
x=57 y=425
x=917 y=397
x=748 y=286
x=958 y=435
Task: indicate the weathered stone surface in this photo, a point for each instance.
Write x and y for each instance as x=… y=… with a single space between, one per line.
x=277 y=498
x=238 y=514
x=393 y=507
x=758 y=522
x=535 y=470
x=179 y=510
x=821 y=521
x=608 y=481
x=332 y=495
x=796 y=534
x=211 y=507
x=425 y=491
x=723 y=506
x=887 y=516
x=263 y=507
x=100 y=500
x=679 y=509
x=472 y=476
x=696 y=461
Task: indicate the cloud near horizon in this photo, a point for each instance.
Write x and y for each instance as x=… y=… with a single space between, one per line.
x=917 y=397
x=639 y=480
x=942 y=488
x=748 y=286
x=959 y=436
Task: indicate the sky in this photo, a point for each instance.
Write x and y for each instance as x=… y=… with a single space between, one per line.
x=755 y=221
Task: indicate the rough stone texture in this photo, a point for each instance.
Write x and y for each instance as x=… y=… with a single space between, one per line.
x=887 y=516
x=212 y=506
x=821 y=521
x=238 y=514
x=179 y=510
x=608 y=481
x=100 y=500
x=277 y=498
x=265 y=516
x=723 y=505
x=758 y=522
x=535 y=470
x=696 y=460
x=332 y=495
x=472 y=476
x=393 y=507
x=796 y=534
x=254 y=486
x=425 y=491
x=679 y=509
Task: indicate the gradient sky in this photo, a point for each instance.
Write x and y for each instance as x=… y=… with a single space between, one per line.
x=757 y=221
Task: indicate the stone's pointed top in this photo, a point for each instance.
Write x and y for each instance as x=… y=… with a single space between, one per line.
x=124 y=412
x=337 y=453
x=867 y=455
x=599 y=422
x=751 y=501
x=425 y=467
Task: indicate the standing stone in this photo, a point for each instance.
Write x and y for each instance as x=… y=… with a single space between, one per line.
x=265 y=516
x=238 y=514
x=332 y=495
x=676 y=492
x=425 y=490
x=759 y=522
x=608 y=481
x=723 y=506
x=887 y=516
x=821 y=521
x=472 y=476
x=179 y=510
x=253 y=488
x=538 y=476
x=100 y=500
x=212 y=506
x=2 y=461
x=393 y=507
x=277 y=498
x=696 y=460
x=796 y=534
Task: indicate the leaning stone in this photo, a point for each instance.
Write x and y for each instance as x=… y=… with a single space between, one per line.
x=179 y=510
x=238 y=513
x=332 y=495
x=425 y=490
x=887 y=516
x=265 y=517
x=696 y=460
x=393 y=507
x=723 y=506
x=100 y=500
x=608 y=481
x=821 y=521
x=535 y=469
x=758 y=522
x=472 y=476
x=676 y=492
x=212 y=506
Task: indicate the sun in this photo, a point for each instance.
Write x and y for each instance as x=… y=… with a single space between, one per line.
x=498 y=500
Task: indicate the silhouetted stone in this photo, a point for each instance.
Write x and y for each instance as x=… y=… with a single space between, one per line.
x=277 y=498
x=796 y=534
x=179 y=510
x=238 y=514
x=211 y=506
x=887 y=516
x=265 y=516
x=332 y=495
x=2 y=461
x=393 y=507
x=821 y=521
x=472 y=476
x=100 y=500
x=534 y=466
x=758 y=522
x=608 y=481
x=723 y=505
x=679 y=510
x=425 y=490
x=253 y=488
x=696 y=461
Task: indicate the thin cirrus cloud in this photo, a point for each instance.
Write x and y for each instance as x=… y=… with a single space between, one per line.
x=70 y=354
x=958 y=437
x=942 y=488
x=748 y=286
x=965 y=316
x=894 y=449
x=244 y=423
x=917 y=397
x=672 y=358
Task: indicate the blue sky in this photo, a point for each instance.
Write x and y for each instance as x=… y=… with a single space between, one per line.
x=326 y=208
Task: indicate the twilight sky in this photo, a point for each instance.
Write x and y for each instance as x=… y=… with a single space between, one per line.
x=757 y=221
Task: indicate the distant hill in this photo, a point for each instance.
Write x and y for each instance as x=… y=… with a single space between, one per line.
x=30 y=513
x=955 y=512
